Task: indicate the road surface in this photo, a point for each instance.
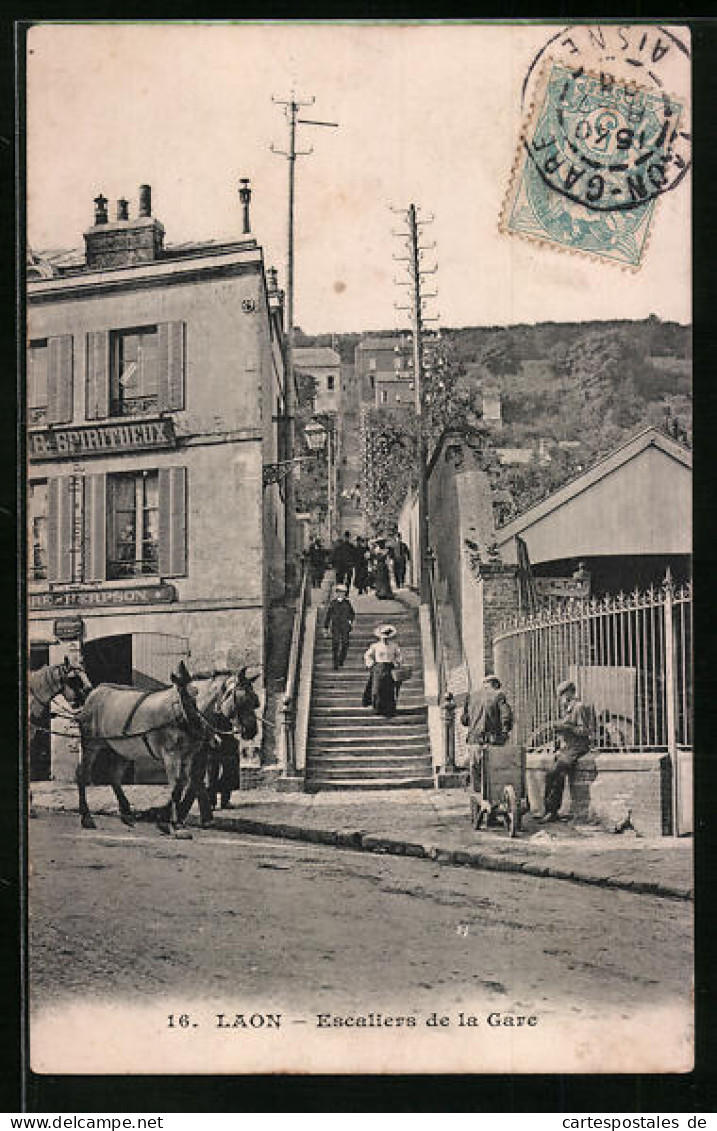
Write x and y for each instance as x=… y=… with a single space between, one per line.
x=131 y=913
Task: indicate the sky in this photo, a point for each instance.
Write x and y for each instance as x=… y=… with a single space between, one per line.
x=428 y=114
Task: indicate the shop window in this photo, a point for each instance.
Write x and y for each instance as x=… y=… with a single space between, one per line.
x=37 y=530
x=133 y=524
x=134 y=369
x=37 y=385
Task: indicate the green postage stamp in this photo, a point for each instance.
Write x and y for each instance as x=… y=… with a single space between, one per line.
x=594 y=159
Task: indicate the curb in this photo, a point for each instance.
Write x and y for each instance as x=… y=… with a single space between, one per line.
x=362 y=841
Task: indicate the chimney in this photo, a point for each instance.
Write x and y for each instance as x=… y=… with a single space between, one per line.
x=100 y=209
x=124 y=242
x=245 y=197
x=145 y=200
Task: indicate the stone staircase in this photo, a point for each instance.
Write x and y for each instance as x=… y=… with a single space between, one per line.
x=349 y=747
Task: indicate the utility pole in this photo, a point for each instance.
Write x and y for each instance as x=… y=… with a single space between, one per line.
x=292 y=106
x=416 y=274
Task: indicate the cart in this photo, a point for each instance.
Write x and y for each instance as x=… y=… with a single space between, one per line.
x=497 y=783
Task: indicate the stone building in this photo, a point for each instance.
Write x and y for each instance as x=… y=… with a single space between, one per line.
x=155 y=399
x=384 y=372
x=324 y=365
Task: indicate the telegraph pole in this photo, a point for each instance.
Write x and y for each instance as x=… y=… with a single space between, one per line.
x=292 y=107
x=416 y=274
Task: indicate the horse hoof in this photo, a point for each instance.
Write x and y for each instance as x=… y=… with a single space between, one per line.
x=127 y=819
x=88 y=823
x=164 y=827
x=183 y=834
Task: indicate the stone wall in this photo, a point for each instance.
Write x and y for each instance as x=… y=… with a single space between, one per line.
x=607 y=787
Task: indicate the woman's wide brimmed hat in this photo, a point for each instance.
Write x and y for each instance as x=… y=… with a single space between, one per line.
x=385 y=631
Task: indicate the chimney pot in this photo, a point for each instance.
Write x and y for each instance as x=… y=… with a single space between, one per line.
x=100 y=209
x=145 y=200
x=122 y=209
x=245 y=197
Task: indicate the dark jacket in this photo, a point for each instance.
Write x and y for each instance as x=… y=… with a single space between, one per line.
x=339 y=617
x=342 y=555
x=488 y=716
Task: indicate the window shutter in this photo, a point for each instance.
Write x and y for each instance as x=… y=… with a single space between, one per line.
x=170 y=370
x=94 y=534
x=98 y=374
x=59 y=528
x=173 y=521
x=59 y=379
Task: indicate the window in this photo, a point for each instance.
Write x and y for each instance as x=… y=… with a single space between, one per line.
x=330 y=383
x=372 y=363
x=37 y=530
x=384 y=396
x=398 y=398
x=134 y=370
x=133 y=524
x=37 y=383
x=411 y=385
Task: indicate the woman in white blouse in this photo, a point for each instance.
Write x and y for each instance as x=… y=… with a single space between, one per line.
x=382 y=658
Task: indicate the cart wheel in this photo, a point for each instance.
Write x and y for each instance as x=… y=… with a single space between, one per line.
x=512 y=812
x=476 y=813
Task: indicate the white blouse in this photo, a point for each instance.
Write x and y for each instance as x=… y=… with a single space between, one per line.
x=382 y=652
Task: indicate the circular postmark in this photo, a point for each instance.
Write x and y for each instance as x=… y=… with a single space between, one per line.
x=610 y=124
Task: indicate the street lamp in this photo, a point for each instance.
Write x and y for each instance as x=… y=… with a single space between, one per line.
x=315 y=434
x=319 y=436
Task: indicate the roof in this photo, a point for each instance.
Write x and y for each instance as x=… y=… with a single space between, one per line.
x=316 y=356
x=369 y=344
x=71 y=260
x=648 y=438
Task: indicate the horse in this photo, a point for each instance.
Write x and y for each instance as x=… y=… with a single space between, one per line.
x=46 y=683
x=171 y=725
x=221 y=748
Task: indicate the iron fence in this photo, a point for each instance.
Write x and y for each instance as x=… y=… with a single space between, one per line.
x=630 y=657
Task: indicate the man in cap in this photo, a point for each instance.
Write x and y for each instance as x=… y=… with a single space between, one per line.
x=487 y=714
x=339 y=622
x=573 y=740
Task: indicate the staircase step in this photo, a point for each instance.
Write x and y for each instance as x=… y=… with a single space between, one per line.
x=356 y=713
x=317 y=785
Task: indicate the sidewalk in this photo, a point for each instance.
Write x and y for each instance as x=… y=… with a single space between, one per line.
x=431 y=824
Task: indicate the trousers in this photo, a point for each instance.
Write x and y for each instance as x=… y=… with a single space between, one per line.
x=555 y=781
x=339 y=647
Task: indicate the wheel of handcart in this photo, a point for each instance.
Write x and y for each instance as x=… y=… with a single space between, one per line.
x=477 y=813
x=512 y=811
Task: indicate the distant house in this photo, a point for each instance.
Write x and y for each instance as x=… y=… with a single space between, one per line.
x=628 y=518
x=324 y=365
x=384 y=371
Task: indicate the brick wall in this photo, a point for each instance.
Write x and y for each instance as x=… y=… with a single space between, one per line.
x=606 y=787
x=499 y=594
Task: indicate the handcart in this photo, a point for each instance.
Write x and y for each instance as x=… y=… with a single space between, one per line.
x=497 y=782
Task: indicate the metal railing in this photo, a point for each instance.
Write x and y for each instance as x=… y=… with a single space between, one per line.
x=291 y=690
x=630 y=657
x=134 y=406
x=445 y=697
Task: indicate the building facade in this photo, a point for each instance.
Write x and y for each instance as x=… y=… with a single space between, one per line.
x=384 y=372
x=324 y=365
x=155 y=404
